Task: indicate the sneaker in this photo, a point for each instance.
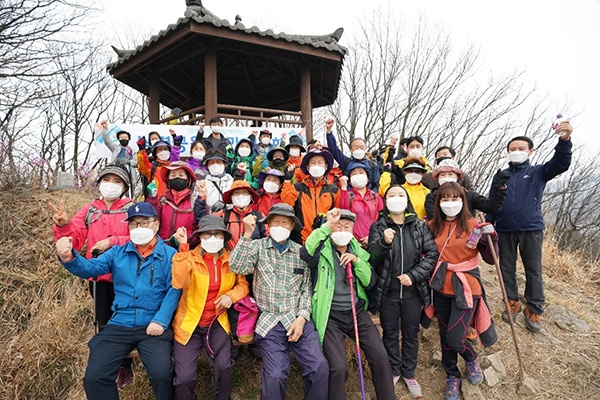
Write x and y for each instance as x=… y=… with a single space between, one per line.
x=395 y=379
x=452 y=391
x=474 y=374
x=472 y=336
x=124 y=376
x=413 y=387
x=532 y=321
x=515 y=308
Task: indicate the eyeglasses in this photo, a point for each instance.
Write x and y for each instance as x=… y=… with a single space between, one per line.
x=142 y=224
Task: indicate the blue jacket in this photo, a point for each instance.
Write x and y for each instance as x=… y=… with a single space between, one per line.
x=522 y=209
x=143 y=290
x=373 y=172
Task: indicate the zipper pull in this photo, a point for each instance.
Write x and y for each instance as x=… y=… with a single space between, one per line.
x=151 y=274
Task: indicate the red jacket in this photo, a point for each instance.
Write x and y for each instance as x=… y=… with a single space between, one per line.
x=233 y=222
x=174 y=210
x=266 y=201
x=102 y=223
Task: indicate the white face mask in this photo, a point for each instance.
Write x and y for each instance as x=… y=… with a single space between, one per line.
x=359 y=181
x=518 y=157
x=153 y=142
x=198 y=155
x=396 y=205
x=265 y=140
x=141 y=236
x=212 y=245
x=215 y=128
x=415 y=153
x=163 y=155
x=413 y=177
x=216 y=169
x=295 y=152
x=279 y=233
x=341 y=238
x=241 y=200
x=451 y=208
x=270 y=187
x=316 y=171
x=445 y=179
x=244 y=151
x=110 y=191
x=358 y=154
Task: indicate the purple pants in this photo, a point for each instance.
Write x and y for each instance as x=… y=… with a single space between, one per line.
x=186 y=359
x=275 y=348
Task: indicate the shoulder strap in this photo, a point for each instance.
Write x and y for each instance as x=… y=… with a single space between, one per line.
x=164 y=200
x=153 y=170
x=93 y=214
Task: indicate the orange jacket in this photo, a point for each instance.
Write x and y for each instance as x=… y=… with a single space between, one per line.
x=310 y=198
x=145 y=167
x=190 y=273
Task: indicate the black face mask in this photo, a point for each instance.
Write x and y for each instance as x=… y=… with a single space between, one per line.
x=178 y=184
x=124 y=142
x=278 y=162
x=440 y=159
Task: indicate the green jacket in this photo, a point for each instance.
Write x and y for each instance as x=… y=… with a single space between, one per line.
x=324 y=287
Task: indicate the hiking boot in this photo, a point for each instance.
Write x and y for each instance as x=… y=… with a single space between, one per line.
x=452 y=391
x=124 y=376
x=395 y=379
x=474 y=374
x=413 y=387
x=515 y=308
x=472 y=336
x=532 y=321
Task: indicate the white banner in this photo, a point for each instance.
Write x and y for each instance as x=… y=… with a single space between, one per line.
x=188 y=132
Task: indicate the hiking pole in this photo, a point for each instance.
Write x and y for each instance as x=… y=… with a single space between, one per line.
x=360 y=370
x=95 y=254
x=506 y=304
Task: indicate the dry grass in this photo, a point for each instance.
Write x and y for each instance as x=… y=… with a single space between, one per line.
x=45 y=323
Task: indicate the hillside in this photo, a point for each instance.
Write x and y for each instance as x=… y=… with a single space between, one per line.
x=45 y=323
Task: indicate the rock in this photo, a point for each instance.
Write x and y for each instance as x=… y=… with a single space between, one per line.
x=437 y=356
x=491 y=377
x=471 y=392
x=543 y=336
x=566 y=320
x=528 y=387
x=64 y=180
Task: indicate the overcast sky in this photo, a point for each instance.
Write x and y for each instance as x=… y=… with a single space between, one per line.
x=556 y=42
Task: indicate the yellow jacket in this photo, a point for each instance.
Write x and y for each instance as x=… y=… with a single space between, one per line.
x=190 y=273
x=417 y=194
x=386 y=178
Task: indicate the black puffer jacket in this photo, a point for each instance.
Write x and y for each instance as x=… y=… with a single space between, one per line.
x=417 y=251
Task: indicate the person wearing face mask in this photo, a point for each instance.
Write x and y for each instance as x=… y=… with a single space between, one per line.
x=243 y=162
x=270 y=183
x=359 y=199
x=218 y=181
x=240 y=200
x=449 y=171
x=403 y=255
x=161 y=153
x=358 y=150
x=277 y=158
x=314 y=195
x=175 y=207
x=144 y=304
x=413 y=170
x=520 y=223
x=392 y=168
x=441 y=154
x=208 y=287
x=118 y=152
x=264 y=145
x=216 y=140
x=295 y=149
x=458 y=294
x=99 y=226
x=332 y=304
x=282 y=289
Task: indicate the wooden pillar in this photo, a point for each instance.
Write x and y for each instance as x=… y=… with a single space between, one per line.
x=306 y=99
x=154 y=98
x=210 y=82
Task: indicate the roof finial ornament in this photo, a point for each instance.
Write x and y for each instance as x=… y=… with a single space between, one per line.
x=238 y=19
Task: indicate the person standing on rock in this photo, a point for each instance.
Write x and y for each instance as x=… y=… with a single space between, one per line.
x=520 y=223
x=458 y=294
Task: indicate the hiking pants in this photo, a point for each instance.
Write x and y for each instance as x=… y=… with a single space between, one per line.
x=454 y=324
x=402 y=315
x=530 y=248
x=340 y=325
x=109 y=348
x=186 y=359
x=275 y=351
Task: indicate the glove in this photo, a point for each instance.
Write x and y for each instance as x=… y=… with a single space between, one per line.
x=288 y=174
x=218 y=206
x=141 y=143
x=177 y=140
x=501 y=179
x=487 y=228
x=399 y=174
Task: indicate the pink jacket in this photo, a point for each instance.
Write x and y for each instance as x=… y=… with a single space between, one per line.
x=101 y=225
x=366 y=209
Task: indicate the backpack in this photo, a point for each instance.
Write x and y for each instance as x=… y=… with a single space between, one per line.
x=93 y=214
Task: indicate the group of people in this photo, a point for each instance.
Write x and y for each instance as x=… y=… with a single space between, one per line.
x=318 y=238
